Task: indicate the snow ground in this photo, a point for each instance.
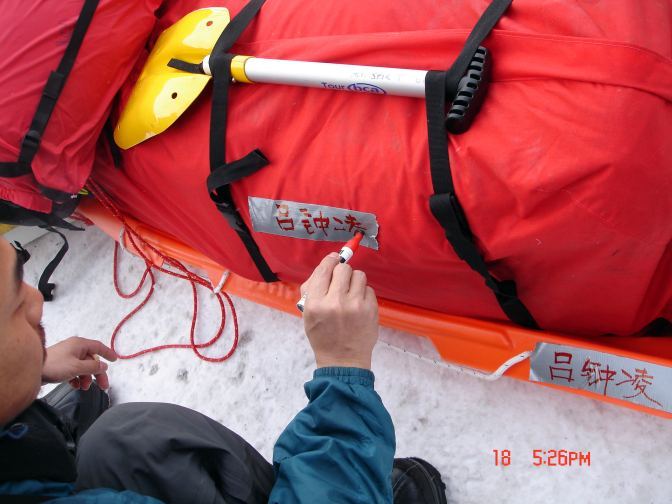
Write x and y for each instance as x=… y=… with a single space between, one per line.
x=453 y=420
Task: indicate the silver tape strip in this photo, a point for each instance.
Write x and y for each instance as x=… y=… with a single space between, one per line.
x=635 y=381
x=308 y=221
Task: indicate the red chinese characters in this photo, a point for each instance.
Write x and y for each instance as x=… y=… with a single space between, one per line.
x=563 y=373
x=354 y=224
x=286 y=223
x=598 y=377
x=306 y=222
x=340 y=221
x=321 y=221
x=639 y=382
x=594 y=375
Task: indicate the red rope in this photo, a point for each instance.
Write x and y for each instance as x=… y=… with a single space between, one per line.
x=140 y=245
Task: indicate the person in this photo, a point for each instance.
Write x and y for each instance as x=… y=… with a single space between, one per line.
x=339 y=448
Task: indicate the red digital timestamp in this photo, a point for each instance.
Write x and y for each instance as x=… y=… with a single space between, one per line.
x=548 y=458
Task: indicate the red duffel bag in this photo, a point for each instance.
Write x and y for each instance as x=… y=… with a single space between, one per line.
x=563 y=177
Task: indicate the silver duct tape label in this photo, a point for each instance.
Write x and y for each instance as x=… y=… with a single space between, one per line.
x=312 y=222
x=606 y=374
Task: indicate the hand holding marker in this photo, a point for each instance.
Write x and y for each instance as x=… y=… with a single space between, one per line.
x=344 y=255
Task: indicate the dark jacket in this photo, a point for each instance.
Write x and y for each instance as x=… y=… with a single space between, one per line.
x=339 y=448
x=37 y=458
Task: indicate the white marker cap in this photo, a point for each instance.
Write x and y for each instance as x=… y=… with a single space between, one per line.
x=345 y=254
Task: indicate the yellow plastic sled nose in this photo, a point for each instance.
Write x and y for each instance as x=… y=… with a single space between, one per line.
x=162 y=93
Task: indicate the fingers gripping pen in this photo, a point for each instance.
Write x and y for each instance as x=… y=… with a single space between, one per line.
x=344 y=255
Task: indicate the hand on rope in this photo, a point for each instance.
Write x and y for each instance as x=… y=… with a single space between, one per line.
x=141 y=245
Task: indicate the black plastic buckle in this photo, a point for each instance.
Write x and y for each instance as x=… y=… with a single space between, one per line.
x=231 y=215
x=31 y=142
x=471 y=91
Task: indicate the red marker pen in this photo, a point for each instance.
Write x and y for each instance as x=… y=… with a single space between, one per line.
x=344 y=255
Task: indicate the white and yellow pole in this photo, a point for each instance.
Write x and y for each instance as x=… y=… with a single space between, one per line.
x=332 y=76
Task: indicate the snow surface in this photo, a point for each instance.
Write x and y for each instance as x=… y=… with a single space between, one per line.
x=453 y=420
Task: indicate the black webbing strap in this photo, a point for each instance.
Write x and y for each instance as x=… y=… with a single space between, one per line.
x=50 y=93
x=55 y=194
x=46 y=288
x=444 y=204
x=12 y=169
x=19 y=216
x=236 y=170
x=237 y=26
x=63 y=224
x=185 y=66
x=481 y=29
x=222 y=174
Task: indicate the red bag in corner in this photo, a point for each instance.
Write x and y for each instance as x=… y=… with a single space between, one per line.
x=53 y=164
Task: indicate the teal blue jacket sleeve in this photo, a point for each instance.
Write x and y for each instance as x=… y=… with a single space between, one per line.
x=340 y=447
x=63 y=493
x=106 y=496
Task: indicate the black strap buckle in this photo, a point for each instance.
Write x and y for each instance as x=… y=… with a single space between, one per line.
x=230 y=213
x=29 y=146
x=31 y=141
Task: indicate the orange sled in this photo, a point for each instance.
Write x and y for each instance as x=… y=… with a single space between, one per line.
x=635 y=372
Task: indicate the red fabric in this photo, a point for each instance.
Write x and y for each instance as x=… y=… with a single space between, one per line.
x=564 y=176
x=32 y=42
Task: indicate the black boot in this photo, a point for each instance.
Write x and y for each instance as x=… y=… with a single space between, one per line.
x=415 y=481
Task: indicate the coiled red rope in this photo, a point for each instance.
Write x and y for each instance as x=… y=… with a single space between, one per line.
x=141 y=245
